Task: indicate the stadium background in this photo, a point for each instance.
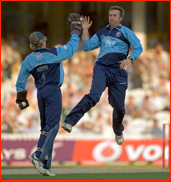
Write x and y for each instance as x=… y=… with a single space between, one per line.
x=92 y=140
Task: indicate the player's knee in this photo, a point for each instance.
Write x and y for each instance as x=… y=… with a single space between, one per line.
x=48 y=127
x=118 y=113
x=111 y=102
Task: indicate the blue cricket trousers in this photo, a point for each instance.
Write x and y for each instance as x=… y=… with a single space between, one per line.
x=116 y=80
x=50 y=107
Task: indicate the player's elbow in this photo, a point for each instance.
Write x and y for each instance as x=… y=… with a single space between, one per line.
x=74 y=49
x=139 y=50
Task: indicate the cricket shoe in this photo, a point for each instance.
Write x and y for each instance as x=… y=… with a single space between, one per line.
x=67 y=127
x=39 y=166
x=119 y=139
x=31 y=158
x=48 y=172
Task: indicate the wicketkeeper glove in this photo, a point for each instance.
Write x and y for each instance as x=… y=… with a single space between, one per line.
x=74 y=21
x=21 y=100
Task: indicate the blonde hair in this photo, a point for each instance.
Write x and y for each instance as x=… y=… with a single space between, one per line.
x=38 y=45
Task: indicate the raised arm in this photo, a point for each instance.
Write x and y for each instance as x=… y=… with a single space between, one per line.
x=86 y=24
x=88 y=44
x=68 y=50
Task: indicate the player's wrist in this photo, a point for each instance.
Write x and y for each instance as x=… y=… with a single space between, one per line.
x=131 y=59
x=85 y=30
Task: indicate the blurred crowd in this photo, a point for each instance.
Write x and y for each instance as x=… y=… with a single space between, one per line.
x=147 y=99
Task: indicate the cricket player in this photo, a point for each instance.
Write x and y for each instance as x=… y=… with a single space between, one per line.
x=45 y=65
x=109 y=71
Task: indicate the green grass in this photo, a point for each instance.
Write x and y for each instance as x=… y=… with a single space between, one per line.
x=102 y=176
x=165 y=175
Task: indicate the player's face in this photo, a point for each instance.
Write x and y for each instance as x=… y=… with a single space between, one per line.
x=114 y=18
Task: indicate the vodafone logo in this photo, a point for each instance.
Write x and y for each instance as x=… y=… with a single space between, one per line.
x=107 y=151
x=149 y=153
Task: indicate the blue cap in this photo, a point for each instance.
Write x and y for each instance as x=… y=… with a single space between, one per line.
x=35 y=37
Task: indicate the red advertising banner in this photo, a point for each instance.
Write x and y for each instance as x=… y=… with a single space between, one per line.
x=109 y=151
x=87 y=151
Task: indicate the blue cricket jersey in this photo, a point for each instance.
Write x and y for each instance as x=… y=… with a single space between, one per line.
x=45 y=65
x=114 y=45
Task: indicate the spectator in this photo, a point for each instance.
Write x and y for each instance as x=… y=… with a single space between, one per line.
x=30 y=128
x=163 y=55
x=155 y=131
x=164 y=87
x=156 y=102
x=130 y=107
x=144 y=110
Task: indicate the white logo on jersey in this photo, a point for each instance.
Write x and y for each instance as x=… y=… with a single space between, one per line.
x=118 y=34
x=109 y=42
x=38 y=56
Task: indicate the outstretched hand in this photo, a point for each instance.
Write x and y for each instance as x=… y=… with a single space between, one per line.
x=86 y=23
x=73 y=17
x=74 y=20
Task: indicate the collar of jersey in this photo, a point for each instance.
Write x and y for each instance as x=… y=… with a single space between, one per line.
x=119 y=26
x=41 y=50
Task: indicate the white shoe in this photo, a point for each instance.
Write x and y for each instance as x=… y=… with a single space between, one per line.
x=119 y=139
x=67 y=127
x=48 y=172
x=38 y=164
x=31 y=158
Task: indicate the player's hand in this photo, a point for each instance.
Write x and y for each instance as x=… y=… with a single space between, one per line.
x=22 y=100
x=125 y=63
x=73 y=18
x=86 y=23
x=23 y=105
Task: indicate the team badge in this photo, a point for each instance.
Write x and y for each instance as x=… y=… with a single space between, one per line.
x=118 y=34
x=38 y=56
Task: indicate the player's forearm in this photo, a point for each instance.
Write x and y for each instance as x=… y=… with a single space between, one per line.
x=85 y=35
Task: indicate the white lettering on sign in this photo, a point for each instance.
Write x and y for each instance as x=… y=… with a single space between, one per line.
x=18 y=154
x=98 y=151
x=152 y=153
x=7 y=153
x=133 y=155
